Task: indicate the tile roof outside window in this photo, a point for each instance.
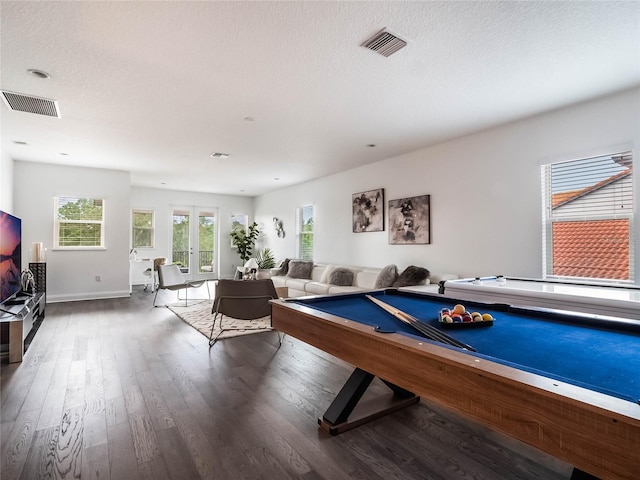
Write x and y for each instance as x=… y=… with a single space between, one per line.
x=591 y=249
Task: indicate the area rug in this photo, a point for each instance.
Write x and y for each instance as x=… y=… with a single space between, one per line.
x=199 y=316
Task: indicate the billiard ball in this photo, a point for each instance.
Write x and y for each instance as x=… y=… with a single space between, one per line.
x=467 y=318
x=459 y=308
x=447 y=319
x=487 y=317
x=456 y=317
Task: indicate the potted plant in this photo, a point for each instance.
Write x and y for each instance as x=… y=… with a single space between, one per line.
x=266 y=261
x=244 y=241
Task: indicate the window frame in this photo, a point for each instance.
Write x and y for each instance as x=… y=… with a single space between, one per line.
x=152 y=228
x=549 y=220
x=57 y=223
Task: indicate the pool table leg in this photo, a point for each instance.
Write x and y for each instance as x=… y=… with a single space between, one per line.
x=345 y=412
x=580 y=475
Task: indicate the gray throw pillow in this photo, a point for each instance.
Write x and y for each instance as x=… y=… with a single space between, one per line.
x=300 y=269
x=284 y=267
x=387 y=276
x=412 y=275
x=342 y=277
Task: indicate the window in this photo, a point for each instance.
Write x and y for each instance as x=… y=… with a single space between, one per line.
x=143 y=229
x=239 y=220
x=305 y=232
x=589 y=218
x=79 y=222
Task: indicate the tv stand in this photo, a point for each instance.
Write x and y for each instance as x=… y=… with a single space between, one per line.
x=21 y=312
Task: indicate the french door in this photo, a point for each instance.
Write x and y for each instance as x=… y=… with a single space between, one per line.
x=194 y=241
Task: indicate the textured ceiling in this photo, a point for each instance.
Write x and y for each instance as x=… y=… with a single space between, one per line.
x=155 y=87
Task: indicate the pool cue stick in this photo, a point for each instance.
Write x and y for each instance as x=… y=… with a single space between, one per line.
x=412 y=321
x=427 y=330
x=430 y=332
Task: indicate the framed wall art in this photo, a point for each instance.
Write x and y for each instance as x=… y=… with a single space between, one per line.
x=368 y=211
x=409 y=220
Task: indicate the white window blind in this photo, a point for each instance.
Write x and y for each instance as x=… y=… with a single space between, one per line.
x=304 y=230
x=589 y=218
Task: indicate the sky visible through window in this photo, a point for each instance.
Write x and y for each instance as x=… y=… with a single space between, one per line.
x=578 y=174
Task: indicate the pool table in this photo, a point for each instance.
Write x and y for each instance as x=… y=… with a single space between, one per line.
x=567 y=384
x=611 y=300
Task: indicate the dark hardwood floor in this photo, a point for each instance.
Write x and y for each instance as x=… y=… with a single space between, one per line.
x=118 y=389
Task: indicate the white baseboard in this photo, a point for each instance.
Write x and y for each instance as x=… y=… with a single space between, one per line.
x=78 y=297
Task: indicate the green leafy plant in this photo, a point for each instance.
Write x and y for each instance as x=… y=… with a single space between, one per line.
x=266 y=259
x=244 y=241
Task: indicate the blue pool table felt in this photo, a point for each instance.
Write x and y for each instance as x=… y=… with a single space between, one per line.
x=606 y=360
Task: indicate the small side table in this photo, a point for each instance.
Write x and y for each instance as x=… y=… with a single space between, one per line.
x=283 y=292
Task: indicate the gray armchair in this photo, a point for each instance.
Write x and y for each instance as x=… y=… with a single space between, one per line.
x=170 y=278
x=242 y=300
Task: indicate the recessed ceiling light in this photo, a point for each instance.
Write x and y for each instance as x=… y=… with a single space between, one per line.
x=276 y=178
x=249 y=119
x=222 y=156
x=19 y=142
x=371 y=145
x=38 y=73
x=64 y=154
x=163 y=183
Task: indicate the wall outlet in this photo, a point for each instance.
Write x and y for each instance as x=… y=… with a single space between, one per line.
x=98 y=278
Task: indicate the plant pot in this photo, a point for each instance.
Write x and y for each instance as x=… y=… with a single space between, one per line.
x=263 y=274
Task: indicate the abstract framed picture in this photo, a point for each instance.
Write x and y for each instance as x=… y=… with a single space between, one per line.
x=368 y=211
x=410 y=220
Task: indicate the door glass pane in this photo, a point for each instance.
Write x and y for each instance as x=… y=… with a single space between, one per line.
x=206 y=229
x=180 y=251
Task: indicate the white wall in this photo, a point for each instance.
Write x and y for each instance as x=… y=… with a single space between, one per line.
x=71 y=274
x=485 y=189
x=6 y=182
x=163 y=201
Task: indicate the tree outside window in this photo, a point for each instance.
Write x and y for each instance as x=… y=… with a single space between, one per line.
x=79 y=222
x=143 y=228
x=305 y=232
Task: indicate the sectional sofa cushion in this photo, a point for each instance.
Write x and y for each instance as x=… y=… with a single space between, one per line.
x=388 y=275
x=342 y=277
x=412 y=275
x=300 y=269
x=317 y=288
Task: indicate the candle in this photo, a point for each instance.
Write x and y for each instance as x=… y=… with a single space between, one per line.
x=37 y=252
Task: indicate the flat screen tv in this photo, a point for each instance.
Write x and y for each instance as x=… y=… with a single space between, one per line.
x=10 y=255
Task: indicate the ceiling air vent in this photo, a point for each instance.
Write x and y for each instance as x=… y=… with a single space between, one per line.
x=385 y=43
x=30 y=104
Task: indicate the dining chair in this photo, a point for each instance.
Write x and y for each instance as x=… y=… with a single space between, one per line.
x=152 y=273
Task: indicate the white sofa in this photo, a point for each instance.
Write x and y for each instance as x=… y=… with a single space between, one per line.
x=364 y=279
